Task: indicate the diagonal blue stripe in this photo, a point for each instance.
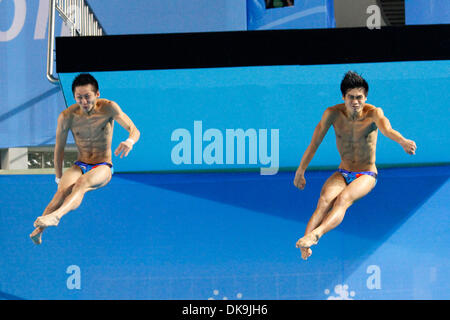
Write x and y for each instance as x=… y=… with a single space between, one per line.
x=7 y=296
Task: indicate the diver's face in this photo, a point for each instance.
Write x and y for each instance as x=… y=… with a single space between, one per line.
x=355 y=100
x=86 y=97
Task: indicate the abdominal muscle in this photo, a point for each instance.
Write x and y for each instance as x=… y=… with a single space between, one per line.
x=359 y=155
x=92 y=155
x=94 y=148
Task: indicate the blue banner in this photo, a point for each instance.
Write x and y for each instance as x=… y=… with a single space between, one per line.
x=29 y=103
x=305 y=14
x=174 y=16
x=427 y=12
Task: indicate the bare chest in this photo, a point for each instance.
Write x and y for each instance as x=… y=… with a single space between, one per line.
x=359 y=131
x=95 y=127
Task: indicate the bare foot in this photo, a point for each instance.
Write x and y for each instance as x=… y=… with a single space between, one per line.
x=36 y=235
x=307 y=241
x=306 y=253
x=49 y=220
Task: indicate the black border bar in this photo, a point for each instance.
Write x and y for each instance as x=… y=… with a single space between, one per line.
x=252 y=48
x=276 y=309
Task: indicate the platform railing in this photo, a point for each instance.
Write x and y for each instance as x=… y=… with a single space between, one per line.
x=81 y=20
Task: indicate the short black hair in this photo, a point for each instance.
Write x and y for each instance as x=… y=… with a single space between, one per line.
x=353 y=80
x=83 y=79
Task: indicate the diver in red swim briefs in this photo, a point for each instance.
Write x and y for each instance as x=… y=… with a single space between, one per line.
x=91 y=121
x=356 y=125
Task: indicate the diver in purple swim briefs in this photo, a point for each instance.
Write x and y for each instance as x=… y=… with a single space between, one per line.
x=91 y=121
x=356 y=125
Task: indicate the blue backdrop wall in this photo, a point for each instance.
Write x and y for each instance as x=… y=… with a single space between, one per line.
x=290 y=99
